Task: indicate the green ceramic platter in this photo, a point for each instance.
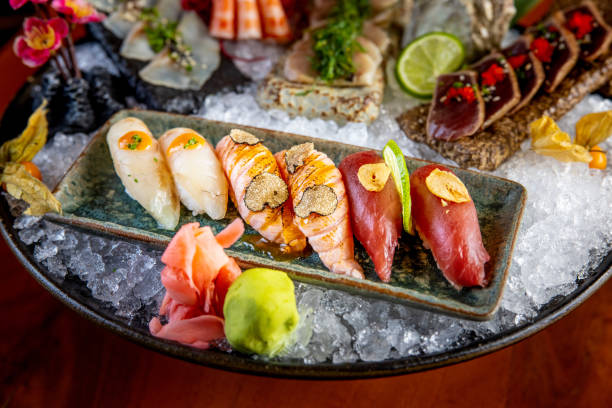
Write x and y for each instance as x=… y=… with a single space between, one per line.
x=94 y=198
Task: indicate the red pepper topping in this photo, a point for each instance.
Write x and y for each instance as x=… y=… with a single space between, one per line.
x=517 y=61
x=492 y=75
x=580 y=24
x=542 y=49
x=464 y=93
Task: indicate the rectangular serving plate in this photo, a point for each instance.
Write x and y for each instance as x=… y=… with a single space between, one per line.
x=94 y=198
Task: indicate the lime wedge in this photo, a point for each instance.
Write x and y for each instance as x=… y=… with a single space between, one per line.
x=426 y=57
x=394 y=158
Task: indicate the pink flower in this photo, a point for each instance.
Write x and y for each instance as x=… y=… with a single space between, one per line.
x=79 y=11
x=41 y=38
x=15 y=4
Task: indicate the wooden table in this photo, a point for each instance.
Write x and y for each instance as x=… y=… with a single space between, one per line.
x=50 y=356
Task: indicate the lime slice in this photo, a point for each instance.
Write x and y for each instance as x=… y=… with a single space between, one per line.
x=397 y=163
x=426 y=57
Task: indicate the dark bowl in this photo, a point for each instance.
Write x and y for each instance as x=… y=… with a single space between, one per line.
x=75 y=294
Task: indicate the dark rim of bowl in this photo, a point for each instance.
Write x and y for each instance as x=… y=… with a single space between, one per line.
x=551 y=312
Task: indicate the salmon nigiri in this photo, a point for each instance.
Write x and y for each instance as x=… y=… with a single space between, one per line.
x=321 y=206
x=141 y=166
x=445 y=217
x=258 y=191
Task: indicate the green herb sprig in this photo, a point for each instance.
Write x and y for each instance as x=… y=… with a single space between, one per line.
x=335 y=43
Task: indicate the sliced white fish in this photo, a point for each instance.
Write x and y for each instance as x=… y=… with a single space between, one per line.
x=136 y=45
x=298 y=67
x=164 y=71
x=377 y=35
x=142 y=168
x=197 y=172
x=124 y=16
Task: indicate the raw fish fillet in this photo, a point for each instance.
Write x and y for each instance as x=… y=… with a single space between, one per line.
x=197 y=173
x=242 y=163
x=450 y=231
x=331 y=235
x=144 y=172
x=376 y=217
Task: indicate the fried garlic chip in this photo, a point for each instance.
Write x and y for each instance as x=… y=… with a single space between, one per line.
x=447 y=186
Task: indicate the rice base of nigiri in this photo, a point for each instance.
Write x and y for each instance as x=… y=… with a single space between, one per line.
x=143 y=171
x=197 y=173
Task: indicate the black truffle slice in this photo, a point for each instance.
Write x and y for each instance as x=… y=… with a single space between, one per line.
x=241 y=137
x=319 y=199
x=594 y=42
x=295 y=156
x=453 y=113
x=502 y=93
x=266 y=189
x=564 y=54
x=527 y=68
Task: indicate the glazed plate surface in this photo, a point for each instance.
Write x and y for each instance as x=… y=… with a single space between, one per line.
x=94 y=198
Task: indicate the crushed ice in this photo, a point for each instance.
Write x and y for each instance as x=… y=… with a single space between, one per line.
x=568 y=219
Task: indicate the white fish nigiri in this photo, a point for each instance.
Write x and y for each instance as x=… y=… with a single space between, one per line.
x=197 y=172
x=142 y=168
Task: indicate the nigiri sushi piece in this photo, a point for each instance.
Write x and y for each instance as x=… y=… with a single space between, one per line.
x=376 y=216
x=445 y=217
x=258 y=191
x=321 y=206
x=198 y=175
x=141 y=166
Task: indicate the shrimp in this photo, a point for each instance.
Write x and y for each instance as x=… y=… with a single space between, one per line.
x=275 y=23
x=245 y=159
x=249 y=25
x=329 y=235
x=222 y=24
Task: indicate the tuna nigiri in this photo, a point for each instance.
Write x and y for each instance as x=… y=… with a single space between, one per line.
x=445 y=217
x=258 y=191
x=197 y=173
x=321 y=206
x=376 y=216
x=141 y=166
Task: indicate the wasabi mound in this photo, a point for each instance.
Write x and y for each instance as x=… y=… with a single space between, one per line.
x=260 y=312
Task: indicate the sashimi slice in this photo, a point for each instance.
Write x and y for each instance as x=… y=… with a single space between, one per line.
x=450 y=230
x=376 y=217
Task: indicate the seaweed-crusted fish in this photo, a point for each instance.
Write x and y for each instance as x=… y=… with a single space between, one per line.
x=498 y=86
x=197 y=173
x=446 y=220
x=457 y=109
x=321 y=206
x=141 y=166
x=257 y=189
x=528 y=69
x=376 y=216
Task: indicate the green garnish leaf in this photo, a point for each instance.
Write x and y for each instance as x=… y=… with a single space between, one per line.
x=457 y=84
x=190 y=142
x=335 y=43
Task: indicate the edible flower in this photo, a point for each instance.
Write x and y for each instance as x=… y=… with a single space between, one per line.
x=492 y=75
x=542 y=49
x=517 y=61
x=79 y=11
x=41 y=38
x=15 y=4
x=580 y=24
x=460 y=93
